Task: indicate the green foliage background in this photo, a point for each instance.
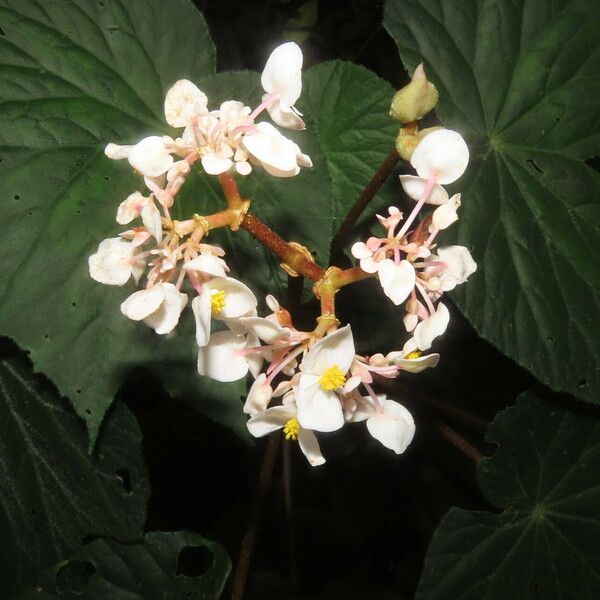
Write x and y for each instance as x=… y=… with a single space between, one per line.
x=96 y=502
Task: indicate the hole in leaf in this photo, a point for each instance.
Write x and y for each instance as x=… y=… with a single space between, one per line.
x=125 y=479
x=88 y=411
x=194 y=561
x=532 y=164
x=78 y=391
x=47 y=337
x=74 y=576
x=17 y=197
x=549 y=338
x=73 y=304
x=583 y=382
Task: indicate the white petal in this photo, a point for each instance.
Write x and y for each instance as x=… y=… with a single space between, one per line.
x=395 y=428
x=111 y=264
x=131 y=208
x=285 y=116
x=220 y=359
x=459 y=262
x=182 y=102
x=444 y=215
x=360 y=250
x=259 y=396
x=309 y=444
x=427 y=330
x=207 y=264
x=277 y=154
x=150 y=157
x=152 y=220
x=116 y=152
x=243 y=167
x=214 y=165
x=143 y=303
x=264 y=329
x=165 y=318
x=442 y=154
x=239 y=299
x=336 y=348
x=397 y=280
x=201 y=309
x=415 y=186
x=282 y=74
x=318 y=409
x=364 y=409
x=270 y=420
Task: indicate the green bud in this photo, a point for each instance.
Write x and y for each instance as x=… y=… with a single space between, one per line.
x=408 y=139
x=414 y=100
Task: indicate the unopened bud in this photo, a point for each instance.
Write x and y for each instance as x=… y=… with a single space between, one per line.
x=414 y=100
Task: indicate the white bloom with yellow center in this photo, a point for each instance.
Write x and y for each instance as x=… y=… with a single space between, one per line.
x=411 y=359
x=159 y=306
x=285 y=417
x=222 y=298
x=323 y=371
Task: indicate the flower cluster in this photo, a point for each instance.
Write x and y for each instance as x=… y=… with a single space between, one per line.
x=314 y=381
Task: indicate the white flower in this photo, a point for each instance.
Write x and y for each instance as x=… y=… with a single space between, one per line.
x=393 y=425
x=282 y=76
x=459 y=266
x=159 y=306
x=445 y=214
x=285 y=417
x=150 y=156
x=415 y=187
x=112 y=264
x=259 y=396
x=265 y=329
x=224 y=359
x=277 y=154
x=397 y=280
x=131 y=208
x=442 y=154
x=431 y=327
x=207 y=264
x=116 y=152
x=152 y=220
x=324 y=370
x=182 y=102
x=411 y=359
x=223 y=298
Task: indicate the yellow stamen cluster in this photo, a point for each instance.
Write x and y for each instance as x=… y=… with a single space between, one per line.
x=332 y=378
x=413 y=354
x=217 y=302
x=291 y=429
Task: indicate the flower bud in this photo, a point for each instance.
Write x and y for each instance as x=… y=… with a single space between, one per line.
x=414 y=100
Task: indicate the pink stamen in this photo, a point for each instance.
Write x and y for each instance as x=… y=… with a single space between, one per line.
x=282 y=364
x=180 y=279
x=426 y=193
x=431 y=237
x=425 y=295
x=195 y=282
x=378 y=407
x=397 y=256
x=268 y=101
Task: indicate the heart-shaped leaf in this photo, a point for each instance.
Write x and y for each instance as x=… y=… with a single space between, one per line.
x=166 y=565
x=544 y=543
x=52 y=492
x=520 y=82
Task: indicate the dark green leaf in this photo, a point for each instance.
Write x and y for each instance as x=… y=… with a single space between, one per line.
x=177 y=565
x=544 y=543
x=520 y=81
x=52 y=492
x=77 y=75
